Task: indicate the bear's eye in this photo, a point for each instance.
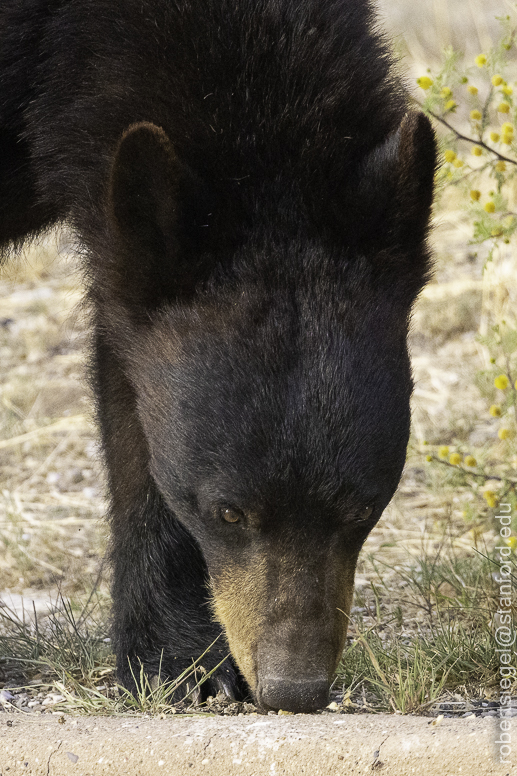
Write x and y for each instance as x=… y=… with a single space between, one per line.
x=230 y=514
x=365 y=513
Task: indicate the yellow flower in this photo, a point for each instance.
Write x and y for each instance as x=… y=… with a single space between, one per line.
x=495 y=411
x=490 y=207
x=470 y=461
x=480 y=60
x=494 y=137
x=455 y=459
x=458 y=163
x=443 y=451
x=506 y=433
x=515 y=386
x=429 y=458
x=512 y=542
x=476 y=115
x=496 y=231
x=501 y=382
x=503 y=107
x=497 y=80
x=476 y=150
x=507 y=90
x=424 y=82
x=446 y=91
x=501 y=166
x=451 y=105
x=507 y=128
x=449 y=155
x=475 y=195
x=472 y=89
x=508 y=139
x=490 y=498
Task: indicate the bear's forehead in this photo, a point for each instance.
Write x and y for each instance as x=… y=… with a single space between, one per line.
x=282 y=439
x=274 y=329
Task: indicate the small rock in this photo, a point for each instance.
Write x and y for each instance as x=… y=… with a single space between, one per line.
x=72 y=757
x=75 y=476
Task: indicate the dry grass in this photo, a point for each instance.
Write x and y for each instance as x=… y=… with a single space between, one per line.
x=51 y=492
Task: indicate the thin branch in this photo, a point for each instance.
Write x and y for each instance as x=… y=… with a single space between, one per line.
x=460 y=136
x=478 y=475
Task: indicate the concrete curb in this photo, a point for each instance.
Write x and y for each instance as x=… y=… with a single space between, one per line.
x=314 y=745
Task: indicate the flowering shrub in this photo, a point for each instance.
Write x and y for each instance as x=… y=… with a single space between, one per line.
x=476 y=106
x=492 y=472
x=477 y=109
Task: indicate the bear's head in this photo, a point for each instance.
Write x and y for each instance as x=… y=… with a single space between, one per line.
x=273 y=384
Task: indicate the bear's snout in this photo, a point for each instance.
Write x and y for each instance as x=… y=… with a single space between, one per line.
x=298 y=696
x=286 y=622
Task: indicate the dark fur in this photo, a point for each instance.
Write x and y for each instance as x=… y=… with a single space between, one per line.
x=252 y=266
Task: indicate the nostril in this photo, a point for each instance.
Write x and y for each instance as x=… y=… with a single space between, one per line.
x=296 y=696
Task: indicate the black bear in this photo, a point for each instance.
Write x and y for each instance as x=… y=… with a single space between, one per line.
x=252 y=197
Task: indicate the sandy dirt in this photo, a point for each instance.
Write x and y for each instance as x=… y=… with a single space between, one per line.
x=251 y=746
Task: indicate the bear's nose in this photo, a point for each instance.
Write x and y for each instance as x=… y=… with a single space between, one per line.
x=301 y=696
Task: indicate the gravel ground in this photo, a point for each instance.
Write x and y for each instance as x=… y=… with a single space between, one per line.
x=32 y=700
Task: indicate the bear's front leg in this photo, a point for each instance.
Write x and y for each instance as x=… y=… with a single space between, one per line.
x=161 y=615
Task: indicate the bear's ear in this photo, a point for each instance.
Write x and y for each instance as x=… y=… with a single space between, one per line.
x=144 y=189
x=146 y=213
x=395 y=192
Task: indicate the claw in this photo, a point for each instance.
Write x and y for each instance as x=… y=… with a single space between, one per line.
x=192 y=693
x=224 y=686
